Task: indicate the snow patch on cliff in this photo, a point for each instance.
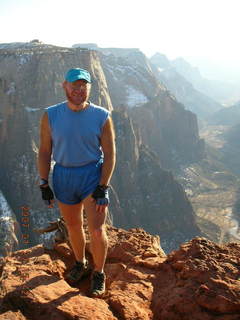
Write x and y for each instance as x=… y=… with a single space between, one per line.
x=24 y=58
x=135 y=97
x=11 y=88
x=8 y=239
x=5 y=210
x=123 y=72
x=28 y=109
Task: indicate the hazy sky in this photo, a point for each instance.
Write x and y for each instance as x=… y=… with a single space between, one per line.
x=206 y=29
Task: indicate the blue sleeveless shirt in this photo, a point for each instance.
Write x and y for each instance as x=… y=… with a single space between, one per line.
x=76 y=135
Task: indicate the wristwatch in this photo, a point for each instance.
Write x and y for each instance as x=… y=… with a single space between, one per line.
x=104 y=186
x=43 y=181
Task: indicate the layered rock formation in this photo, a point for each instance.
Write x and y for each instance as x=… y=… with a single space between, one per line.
x=199 y=281
x=143 y=194
x=30 y=79
x=162 y=122
x=170 y=131
x=150 y=196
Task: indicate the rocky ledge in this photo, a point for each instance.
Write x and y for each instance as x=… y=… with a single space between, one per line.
x=200 y=281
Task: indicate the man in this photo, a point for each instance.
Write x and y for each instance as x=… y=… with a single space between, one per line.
x=80 y=136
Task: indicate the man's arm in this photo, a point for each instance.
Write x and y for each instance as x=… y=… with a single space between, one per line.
x=109 y=150
x=45 y=148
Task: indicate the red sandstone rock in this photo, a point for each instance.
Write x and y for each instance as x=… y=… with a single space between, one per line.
x=198 y=281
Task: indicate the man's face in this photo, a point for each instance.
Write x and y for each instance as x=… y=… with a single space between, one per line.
x=77 y=92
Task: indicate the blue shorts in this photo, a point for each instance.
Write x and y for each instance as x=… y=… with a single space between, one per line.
x=72 y=184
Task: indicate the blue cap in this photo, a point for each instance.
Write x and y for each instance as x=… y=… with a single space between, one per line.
x=77 y=74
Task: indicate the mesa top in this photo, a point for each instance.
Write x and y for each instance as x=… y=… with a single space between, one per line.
x=76 y=135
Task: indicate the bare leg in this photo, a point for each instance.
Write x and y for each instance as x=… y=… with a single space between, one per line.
x=73 y=216
x=98 y=237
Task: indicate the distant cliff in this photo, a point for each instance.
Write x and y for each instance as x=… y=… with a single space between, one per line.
x=226 y=116
x=180 y=78
x=163 y=123
x=149 y=196
x=221 y=91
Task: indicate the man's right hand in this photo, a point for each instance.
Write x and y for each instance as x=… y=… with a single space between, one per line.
x=47 y=195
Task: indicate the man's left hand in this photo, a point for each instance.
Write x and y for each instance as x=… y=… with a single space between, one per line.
x=101 y=197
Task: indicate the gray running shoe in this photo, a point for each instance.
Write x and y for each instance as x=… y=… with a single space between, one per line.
x=97 y=284
x=78 y=272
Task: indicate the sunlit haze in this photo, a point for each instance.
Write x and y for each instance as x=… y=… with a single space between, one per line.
x=196 y=30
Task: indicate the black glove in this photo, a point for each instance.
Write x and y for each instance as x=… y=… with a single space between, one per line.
x=101 y=195
x=47 y=194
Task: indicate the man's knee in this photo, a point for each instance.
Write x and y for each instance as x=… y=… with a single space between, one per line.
x=98 y=233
